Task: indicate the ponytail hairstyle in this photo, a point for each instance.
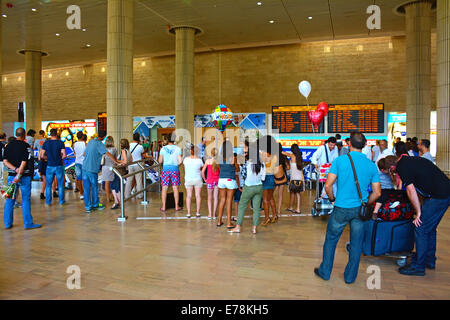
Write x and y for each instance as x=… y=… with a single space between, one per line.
x=298 y=156
x=215 y=165
x=253 y=157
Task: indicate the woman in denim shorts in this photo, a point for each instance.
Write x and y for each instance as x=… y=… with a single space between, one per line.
x=212 y=169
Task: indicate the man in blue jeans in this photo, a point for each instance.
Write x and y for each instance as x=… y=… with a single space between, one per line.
x=93 y=154
x=422 y=177
x=18 y=158
x=347 y=204
x=55 y=152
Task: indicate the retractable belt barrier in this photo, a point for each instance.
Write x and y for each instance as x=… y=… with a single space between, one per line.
x=141 y=164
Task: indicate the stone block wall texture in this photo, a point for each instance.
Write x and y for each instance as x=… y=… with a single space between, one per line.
x=247 y=80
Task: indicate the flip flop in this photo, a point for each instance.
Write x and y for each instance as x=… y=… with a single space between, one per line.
x=219 y=225
x=232 y=227
x=290 y=210
x=179 y=209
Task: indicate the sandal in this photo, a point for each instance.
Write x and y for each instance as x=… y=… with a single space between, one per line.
x=160 y=209
x=290 y=210
x=231 y=227
x=219 y=225
x=115 y=206
x=274 y=219
x=266 y=223
x=179 y=209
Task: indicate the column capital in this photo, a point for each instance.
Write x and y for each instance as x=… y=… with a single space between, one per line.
x=173 y=29
x=23 y=51
x=401 y=8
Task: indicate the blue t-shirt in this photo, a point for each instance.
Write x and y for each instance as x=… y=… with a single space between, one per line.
x=170 y=155
x=93 y=153
x=53 y=151
x=347 y=193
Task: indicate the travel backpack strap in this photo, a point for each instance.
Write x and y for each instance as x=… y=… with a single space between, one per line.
x=356 y=178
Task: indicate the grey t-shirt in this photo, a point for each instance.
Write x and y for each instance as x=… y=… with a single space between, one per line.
x=108 y=161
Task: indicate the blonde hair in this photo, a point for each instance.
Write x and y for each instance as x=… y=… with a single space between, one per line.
x=215 y=165
x=109 y=143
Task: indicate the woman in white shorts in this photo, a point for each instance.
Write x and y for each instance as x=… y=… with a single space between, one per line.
x=228 y=183
x=193 y=180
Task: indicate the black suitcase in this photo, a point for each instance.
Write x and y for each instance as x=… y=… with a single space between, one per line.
x=170 y=202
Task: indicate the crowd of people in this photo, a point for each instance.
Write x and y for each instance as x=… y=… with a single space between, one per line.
x=240 y=180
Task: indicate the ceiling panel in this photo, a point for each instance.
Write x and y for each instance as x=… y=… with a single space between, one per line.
x=226 y=23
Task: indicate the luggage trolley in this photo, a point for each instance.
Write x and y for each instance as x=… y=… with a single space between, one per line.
x=392 y=234
x=322 y=205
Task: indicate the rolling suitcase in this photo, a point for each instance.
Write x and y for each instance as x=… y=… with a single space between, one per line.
x=386 y=237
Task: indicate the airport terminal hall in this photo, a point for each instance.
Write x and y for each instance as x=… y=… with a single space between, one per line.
x=199 y=152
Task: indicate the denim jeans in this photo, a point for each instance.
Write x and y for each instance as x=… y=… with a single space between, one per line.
x=59 y=173
x=425 y=235
x=90 y=184
x=338 y=220
x=25 y=189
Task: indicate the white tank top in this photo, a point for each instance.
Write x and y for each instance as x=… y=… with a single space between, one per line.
x=295 y=173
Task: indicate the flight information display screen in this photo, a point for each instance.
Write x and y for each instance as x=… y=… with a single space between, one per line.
x=366 y=118
x=294 y=119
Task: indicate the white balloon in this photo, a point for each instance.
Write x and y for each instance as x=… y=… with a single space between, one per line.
x=305 y=88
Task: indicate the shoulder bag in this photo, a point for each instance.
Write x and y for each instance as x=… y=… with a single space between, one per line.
x=365 y=212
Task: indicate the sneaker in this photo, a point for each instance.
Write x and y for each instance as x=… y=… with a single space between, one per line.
x=42 y=196
x=17 y=205
x=100 y=207
x=188 y=216
x=81 y=197
x=33 y=226
x=198 y=215
x=88 y=210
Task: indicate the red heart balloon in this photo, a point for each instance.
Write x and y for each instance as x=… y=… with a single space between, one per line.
x=323 y=106
x=315 y=117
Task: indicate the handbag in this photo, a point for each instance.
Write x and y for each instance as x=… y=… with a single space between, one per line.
x=365 y=212
x=280 y=178
x=296 y=186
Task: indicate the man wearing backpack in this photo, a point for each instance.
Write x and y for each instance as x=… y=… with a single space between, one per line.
x=347 y=205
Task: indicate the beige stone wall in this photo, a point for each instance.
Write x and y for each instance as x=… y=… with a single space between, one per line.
x=247 y=80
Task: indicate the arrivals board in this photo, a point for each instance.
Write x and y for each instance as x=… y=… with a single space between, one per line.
x=293 y=119
x=366 y=118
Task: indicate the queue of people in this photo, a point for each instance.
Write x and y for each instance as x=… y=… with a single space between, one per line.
x=246 y=180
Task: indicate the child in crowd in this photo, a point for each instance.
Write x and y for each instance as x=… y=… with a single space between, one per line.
x=193 y=179
x=212 y=180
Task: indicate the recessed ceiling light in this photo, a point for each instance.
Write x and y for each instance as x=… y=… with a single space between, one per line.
x=310 y=18
x=271 y=21
x=33 y=9
x=84 y=30
x=57 y=34
x=88 y=45
x=259 y=3
x=4 y=15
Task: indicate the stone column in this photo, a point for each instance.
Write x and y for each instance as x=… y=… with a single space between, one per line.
x=119 y=83
x=443 y=86
x=184 y=77
x=418 y=68
x=33 y=88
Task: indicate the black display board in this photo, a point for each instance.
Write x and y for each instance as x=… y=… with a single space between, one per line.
x=367 y=118
x=293 y=119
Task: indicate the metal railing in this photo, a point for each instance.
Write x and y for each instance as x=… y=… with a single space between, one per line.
x=144 y=169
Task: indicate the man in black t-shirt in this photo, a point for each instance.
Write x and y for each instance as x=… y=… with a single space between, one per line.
x=18 y=158
x=421 y=177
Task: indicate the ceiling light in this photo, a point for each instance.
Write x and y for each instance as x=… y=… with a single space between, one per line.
x=50 y=75
x=57 y=34
x=5 y=79
x=310 y=18
x=33 y=9
x=67 y=73
x=4 y=15
x=259 y=3
x=143 y=63
x=88 y=45
x=84 y=30
x=271 y=21
x=103 y=69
